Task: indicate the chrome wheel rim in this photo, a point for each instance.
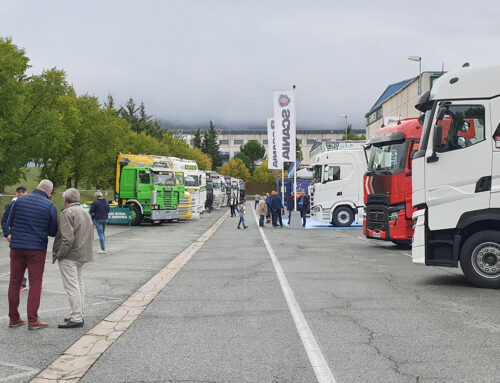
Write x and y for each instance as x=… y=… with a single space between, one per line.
x=486 y=259
x=343 y=217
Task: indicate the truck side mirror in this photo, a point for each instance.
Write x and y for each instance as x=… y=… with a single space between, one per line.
x=436 y=145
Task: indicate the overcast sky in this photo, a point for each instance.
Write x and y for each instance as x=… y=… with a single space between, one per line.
x=192 y=61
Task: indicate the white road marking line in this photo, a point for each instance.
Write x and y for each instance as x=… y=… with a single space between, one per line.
x=28 y=371
x=316 y=358
x=74 y=363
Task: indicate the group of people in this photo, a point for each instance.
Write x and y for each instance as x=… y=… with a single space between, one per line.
x=27 y=223
x=270 y=207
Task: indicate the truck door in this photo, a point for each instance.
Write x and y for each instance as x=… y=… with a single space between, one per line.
x=458 y=165
x=335 y=187
x=127 y=183
x=144 y=186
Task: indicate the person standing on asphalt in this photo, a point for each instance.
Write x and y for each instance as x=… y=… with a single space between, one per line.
x=290 y=205
x=268 y=215
x=233 y=202
x=20 y=191
x=303 y=205
x=99 y=212
x=275 y=205
x=32 y=219
x=209 y=202
x=241 y=211
x=256 y=201
x=72 y=249
x=262 y=210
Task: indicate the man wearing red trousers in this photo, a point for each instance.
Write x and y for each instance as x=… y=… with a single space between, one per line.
x=32 y=219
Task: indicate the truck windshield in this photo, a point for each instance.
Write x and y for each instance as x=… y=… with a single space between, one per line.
x=316 y=174
x=216 y=186
x=192 y=180
x=389 y=158
x=164 y=178
x=180 y=178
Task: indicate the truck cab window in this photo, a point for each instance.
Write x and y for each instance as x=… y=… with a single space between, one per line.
x=333 y=173
x=144 y=177
x=462 y=126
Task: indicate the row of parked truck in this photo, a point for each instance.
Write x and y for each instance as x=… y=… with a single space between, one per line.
x=432 y=182
x=161 y=189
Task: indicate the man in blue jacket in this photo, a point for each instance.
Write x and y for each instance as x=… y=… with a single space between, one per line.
x=275 y=205
x=32 y=219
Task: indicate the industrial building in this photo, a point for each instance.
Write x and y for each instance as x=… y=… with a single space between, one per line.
x=398 y=101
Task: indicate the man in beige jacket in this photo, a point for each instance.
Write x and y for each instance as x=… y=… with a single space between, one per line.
x=72 y=249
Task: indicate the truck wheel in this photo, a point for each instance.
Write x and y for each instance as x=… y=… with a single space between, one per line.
x=135 y=215
x=343 y=216
x=480 y=259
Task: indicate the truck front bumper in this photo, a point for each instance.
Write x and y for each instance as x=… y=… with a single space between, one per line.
x=158 y=215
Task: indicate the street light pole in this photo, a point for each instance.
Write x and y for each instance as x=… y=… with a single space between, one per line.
x=345 y=117
x=419 y=59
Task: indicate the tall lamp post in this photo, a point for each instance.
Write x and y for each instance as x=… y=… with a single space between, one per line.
x=419 y=59
x=345 y=117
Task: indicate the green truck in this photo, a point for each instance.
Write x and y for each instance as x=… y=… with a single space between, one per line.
x=151 y=192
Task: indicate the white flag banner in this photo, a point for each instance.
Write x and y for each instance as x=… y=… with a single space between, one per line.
x=273 y=145
x=284 y=114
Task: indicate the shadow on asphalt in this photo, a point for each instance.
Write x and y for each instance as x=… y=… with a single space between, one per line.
x=451 y=280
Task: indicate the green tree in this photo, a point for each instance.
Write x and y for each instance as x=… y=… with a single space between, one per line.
x=197 y=142
x=139 y=120
x=253 y=151
x=353 y=136
x=298 y=150
x=235 y=168
x=263 y=175
x=210 y=145
x=14 y=154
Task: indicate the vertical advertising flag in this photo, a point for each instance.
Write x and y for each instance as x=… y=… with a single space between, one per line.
x=284 y=113
x=273 y=148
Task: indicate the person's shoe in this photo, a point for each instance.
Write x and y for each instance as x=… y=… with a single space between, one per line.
x=238 y=227
x=246 y=227
x=37 y=325
x=69 y=318
x=101 y=252
x=23 y=288
x=70 y=324
x=17 y=323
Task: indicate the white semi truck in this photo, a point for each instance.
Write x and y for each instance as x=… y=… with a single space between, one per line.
x=336 y=189
x=456 y=176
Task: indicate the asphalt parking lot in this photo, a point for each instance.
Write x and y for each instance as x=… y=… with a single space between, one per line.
x=368 y=313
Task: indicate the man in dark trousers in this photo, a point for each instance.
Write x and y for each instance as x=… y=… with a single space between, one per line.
x=275 y=205
x=99 y=212
x=303 y=205
x=233 y=202
x=32 y=219
x=20 y=191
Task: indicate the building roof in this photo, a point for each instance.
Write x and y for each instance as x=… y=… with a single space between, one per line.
x=390 y=90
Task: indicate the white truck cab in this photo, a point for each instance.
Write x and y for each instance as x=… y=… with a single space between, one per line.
x=336 y=189
x=456 y=175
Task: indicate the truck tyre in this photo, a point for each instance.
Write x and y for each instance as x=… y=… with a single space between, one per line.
x=480 y=259
x=343 y=216
x=135 y=215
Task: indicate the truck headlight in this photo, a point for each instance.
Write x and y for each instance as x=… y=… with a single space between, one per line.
x=316 y=209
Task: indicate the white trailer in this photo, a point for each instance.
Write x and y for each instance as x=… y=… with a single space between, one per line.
x=456 y=176
x=336 y=189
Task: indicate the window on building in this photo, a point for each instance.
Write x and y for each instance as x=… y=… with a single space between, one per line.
x=223 y=142
x=264 y=142
x=238 y=142
x=310 y=141
x=299 y=141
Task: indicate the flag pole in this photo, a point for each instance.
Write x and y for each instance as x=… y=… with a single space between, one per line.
x=283 y=184
x=295 y=176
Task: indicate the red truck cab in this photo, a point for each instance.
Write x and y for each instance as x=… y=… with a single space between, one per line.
x=387 y=182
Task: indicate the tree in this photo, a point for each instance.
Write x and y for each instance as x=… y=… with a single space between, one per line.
x=242 y=156
x=235 y=168
x=263 y=175
x=353 y=136
x=298 y=150
x=210 y=145
x=139 y=120
x=14 y=154
x=197 y=139
x=254 y=151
